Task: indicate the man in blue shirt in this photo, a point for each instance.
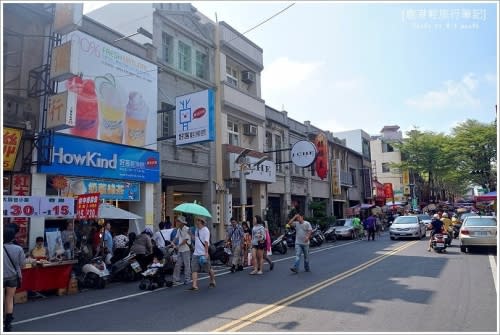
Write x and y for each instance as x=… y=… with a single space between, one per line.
x=107 y=239
x=436 y=228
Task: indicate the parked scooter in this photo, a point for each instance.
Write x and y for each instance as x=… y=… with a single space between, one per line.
x=317 y=237
x=279 y=245
x=290 y=237
x=94 y=274
x=329 y=234
x=220 y=253
x=127 y=268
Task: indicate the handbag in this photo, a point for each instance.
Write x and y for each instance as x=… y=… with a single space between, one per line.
x=11 y=262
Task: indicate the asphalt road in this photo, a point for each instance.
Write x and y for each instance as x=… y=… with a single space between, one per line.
x=354 y=286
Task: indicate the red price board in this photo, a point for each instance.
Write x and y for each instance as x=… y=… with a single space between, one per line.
x=87 y=206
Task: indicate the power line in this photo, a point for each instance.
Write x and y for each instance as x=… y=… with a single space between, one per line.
x=260 y=24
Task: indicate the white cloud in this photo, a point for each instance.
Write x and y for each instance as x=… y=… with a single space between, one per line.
x=452 y=94
x=286 y=74
x=491 y=78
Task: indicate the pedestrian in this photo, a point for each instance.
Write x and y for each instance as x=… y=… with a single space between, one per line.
x=234 y=241
x=143 y=247
x=370 y=226
x=258 y=245
x=201 y=258
x=120 y=242
x=69 y=239
x=303 y=234
x=13 y=262
x=182 y=242
x=356 y=225
x=162 y=237
x=107 y=240
x=268 y=251
x=247 y=243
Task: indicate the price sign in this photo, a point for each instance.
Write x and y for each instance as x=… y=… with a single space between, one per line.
x=87 y=206
x=57 y=206
x=18 y=206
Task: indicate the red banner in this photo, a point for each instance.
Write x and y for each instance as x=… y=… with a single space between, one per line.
x=21 y=186
x=87 y=206
x=388 y=191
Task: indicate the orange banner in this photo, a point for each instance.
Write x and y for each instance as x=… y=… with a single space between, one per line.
x=11 y=141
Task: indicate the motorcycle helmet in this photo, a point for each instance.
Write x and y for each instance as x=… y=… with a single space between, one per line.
x=202 y=260
x=445 y=215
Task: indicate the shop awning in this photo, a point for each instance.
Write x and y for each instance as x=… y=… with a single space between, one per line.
x=107 y=211
x=487 y=197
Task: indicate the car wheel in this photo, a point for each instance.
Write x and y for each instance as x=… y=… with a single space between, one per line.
x=463 y=249
x=392 y=238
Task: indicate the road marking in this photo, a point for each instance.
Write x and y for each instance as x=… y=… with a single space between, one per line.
x=493 y=266
x=272 y=308
x=224 y=272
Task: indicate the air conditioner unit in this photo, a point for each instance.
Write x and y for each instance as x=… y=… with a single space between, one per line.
x=250 y=129
x=247 y=77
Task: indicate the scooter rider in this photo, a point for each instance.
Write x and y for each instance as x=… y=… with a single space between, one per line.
x=447 y=226
x=436 y=226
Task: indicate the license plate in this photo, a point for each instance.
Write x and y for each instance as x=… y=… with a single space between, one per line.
x=440 y=245
x=481 y=233
x=136 y=266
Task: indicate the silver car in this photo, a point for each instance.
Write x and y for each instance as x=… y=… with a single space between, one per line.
x=344 y=229
x=407 y=226
x=478 y=231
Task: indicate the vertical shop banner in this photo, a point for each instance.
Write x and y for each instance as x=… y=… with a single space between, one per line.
x=389 y=194
x=21 y=186
x=11 y=142
x=336 y=190
x=116 y=92
x=321 y=163
x=195 y=117
x=87 y=206
x=406 y=177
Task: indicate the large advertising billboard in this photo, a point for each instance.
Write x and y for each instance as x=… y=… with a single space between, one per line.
x=74 y=156
x=116 y=92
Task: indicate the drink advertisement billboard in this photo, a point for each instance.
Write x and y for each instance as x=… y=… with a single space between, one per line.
x=75 y=156
x=116 y=93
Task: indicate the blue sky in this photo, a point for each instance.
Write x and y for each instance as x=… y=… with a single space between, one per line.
x=365 y=65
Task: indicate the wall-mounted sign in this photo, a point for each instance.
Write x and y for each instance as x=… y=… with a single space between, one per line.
x=321 y=163
x=195 y=117
x=406 y=177
x=303 y=153
x=388 y=191
x=75 y=156
x=63 y=62
x=30 y=206
x=11 y=141
x=87 y=206
x=21 y=186
x=367 y=183
x=61 y=113
x=116 y=92
x=264 y=172
x=336 y=190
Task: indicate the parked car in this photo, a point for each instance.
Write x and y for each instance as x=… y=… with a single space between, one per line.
x=478 y=231
x=407 y=226
x=426 y=219
x=344 y=229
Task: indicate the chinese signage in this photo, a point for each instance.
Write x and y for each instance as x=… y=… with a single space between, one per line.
x=195 y=117
x=264 y=171
x=336 y=190
x=21 y=186
x=321 y=143
x=11 y=141
x=61 y=111
x=406 y=177
x=116 y=95
x=303 y=153
x=29 y=206
x=388 y=191
x=87 y=206
x=74 y=156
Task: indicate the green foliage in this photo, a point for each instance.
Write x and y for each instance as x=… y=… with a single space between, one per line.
x=318 y=210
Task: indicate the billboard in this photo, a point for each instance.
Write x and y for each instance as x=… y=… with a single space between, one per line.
x=74 y=156
x=321 y=143
x=116 y=92
x=11 y=141
x=195 y=117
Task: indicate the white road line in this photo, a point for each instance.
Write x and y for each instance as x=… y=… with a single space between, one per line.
x=493 y=266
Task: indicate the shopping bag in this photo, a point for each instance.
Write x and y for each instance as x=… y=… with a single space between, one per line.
x=269 y=252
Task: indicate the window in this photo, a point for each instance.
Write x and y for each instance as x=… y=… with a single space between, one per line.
x=352 y=172
x=386 y=167
x=184 y=57
x=231 y=76
x=167 y=48
x=386 y=147
x=167 y=119
x=201 y=65
x=233 y=134
x=277 y=146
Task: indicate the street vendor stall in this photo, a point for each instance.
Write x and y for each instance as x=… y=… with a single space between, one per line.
x=43 y=276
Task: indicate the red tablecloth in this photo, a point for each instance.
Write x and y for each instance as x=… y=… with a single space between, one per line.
x=45 y=278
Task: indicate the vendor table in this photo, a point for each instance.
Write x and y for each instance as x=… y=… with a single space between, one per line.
x=46 y=277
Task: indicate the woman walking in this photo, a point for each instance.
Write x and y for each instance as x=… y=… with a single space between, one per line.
x=13 y=262
x=258 y=244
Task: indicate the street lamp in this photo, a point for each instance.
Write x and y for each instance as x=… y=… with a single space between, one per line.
x=244 y=168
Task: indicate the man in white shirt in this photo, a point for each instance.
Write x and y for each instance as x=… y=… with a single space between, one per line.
x=182 y=242
x=161 y=236
x=201 y=258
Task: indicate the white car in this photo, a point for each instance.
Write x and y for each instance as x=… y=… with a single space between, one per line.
x=409 y=226
x=478 y=231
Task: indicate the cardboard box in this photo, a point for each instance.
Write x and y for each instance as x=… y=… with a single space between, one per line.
x=62 y=291
x=21 y=297
x=73 y=286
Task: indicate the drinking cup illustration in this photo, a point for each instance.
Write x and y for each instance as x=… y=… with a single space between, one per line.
x=87 y=121
x=111 y=108
x=136 y=120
